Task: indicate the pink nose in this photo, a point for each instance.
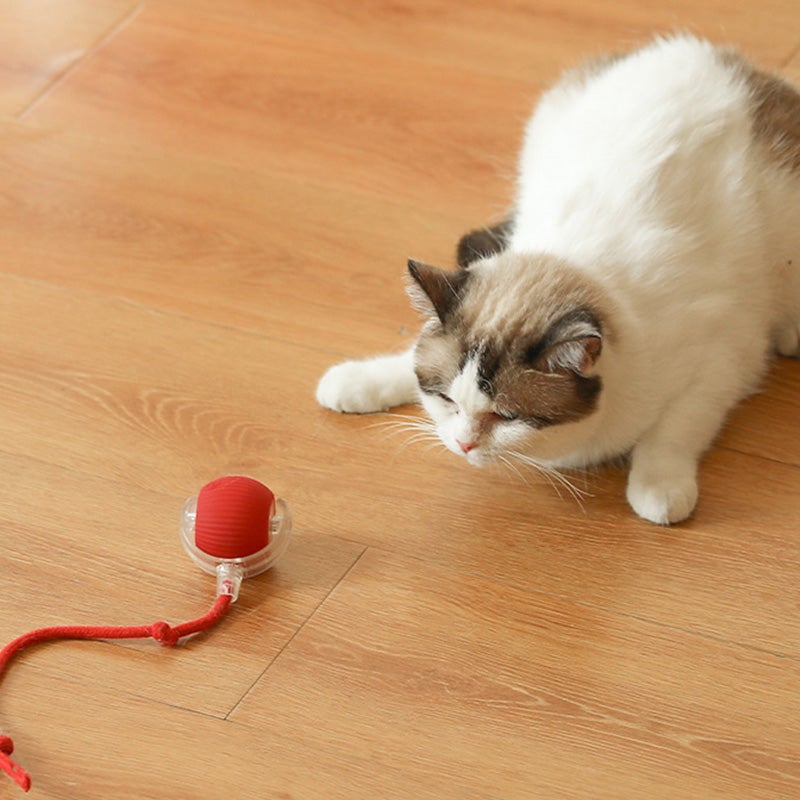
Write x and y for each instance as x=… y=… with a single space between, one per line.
x=466 y=446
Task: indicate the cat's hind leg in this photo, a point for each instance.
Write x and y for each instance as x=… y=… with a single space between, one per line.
x=369 y=385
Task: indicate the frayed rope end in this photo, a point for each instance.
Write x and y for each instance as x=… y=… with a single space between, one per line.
x=13 y=770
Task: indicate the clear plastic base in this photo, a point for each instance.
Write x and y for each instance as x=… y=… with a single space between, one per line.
x=231 y=571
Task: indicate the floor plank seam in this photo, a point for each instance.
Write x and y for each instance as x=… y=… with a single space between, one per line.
x=300 y=628
x=59 y=79
x=56 y=675
x=759 y=456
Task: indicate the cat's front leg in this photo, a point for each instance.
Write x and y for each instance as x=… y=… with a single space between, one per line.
x=369 y=385
x=662 y=484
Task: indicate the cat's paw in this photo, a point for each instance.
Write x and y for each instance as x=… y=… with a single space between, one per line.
x=662 y=496
x=364 y=387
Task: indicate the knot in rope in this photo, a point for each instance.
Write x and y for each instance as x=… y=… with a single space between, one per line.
x=160 y=631
x=164 y=634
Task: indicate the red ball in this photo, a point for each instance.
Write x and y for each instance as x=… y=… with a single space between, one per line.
x=233 y=517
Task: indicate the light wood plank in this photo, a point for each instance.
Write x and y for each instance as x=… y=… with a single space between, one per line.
x=499 y=37
x=297 y=261
x=742 y=542
x=475 y=690
x=318 y=111
x=415 y=682
x=40 y=40
x=362 y=112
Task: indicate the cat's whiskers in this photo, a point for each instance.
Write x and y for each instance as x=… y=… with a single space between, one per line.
x=555 y=478
x=421 y=429
x=424 y=431
x=507 y=462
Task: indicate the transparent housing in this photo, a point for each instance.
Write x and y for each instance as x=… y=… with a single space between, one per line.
x=231 y=571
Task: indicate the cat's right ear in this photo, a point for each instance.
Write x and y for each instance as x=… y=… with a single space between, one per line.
x=434 y=291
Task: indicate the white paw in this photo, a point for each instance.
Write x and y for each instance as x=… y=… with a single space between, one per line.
x=363 y=387
x=662 y=498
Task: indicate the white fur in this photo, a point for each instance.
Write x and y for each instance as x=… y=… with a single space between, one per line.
x=669 y=204
x=454 y=425
x=646 y=178
x=373 y=384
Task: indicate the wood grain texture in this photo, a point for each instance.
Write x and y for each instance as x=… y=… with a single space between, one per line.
x=248 y=249
x=223 y=88
x=496 y=39
x=476 y=690
x=232 y=93
x=93 y=551
x=123 y=434
x=415 y=682
x=214 y=203
x=41 y=40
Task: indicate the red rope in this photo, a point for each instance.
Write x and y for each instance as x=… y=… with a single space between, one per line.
x=160 y=631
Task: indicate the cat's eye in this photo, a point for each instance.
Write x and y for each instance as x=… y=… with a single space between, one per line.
x=443 y=396
x=505 y=416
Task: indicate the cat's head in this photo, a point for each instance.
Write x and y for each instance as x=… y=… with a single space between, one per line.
x=509 y=360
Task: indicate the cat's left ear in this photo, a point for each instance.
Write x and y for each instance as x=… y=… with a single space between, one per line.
x=573 y=344
x=433 y=290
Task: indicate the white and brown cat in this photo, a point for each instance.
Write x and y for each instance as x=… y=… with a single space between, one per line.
x=650 y=268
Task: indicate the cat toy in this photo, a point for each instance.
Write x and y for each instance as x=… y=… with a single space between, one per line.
x=234 y=528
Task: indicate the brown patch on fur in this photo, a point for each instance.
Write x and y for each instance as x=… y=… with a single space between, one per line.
x=436 y=359
x=775 y=110
x=546 y=380
x=518 y=296
x=542 y=399
x=483 y=242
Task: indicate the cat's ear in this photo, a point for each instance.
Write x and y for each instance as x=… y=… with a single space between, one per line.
x=572 y=344
x=433 y=290
x=483 y=242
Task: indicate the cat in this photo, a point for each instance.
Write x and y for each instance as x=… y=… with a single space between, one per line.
x=636 y=293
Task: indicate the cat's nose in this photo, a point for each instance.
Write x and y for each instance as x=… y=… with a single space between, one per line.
x=466 y=446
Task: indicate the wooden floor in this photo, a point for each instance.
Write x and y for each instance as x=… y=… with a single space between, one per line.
x=203 y=204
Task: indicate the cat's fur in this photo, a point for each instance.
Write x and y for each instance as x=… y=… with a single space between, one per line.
x=650 y=267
